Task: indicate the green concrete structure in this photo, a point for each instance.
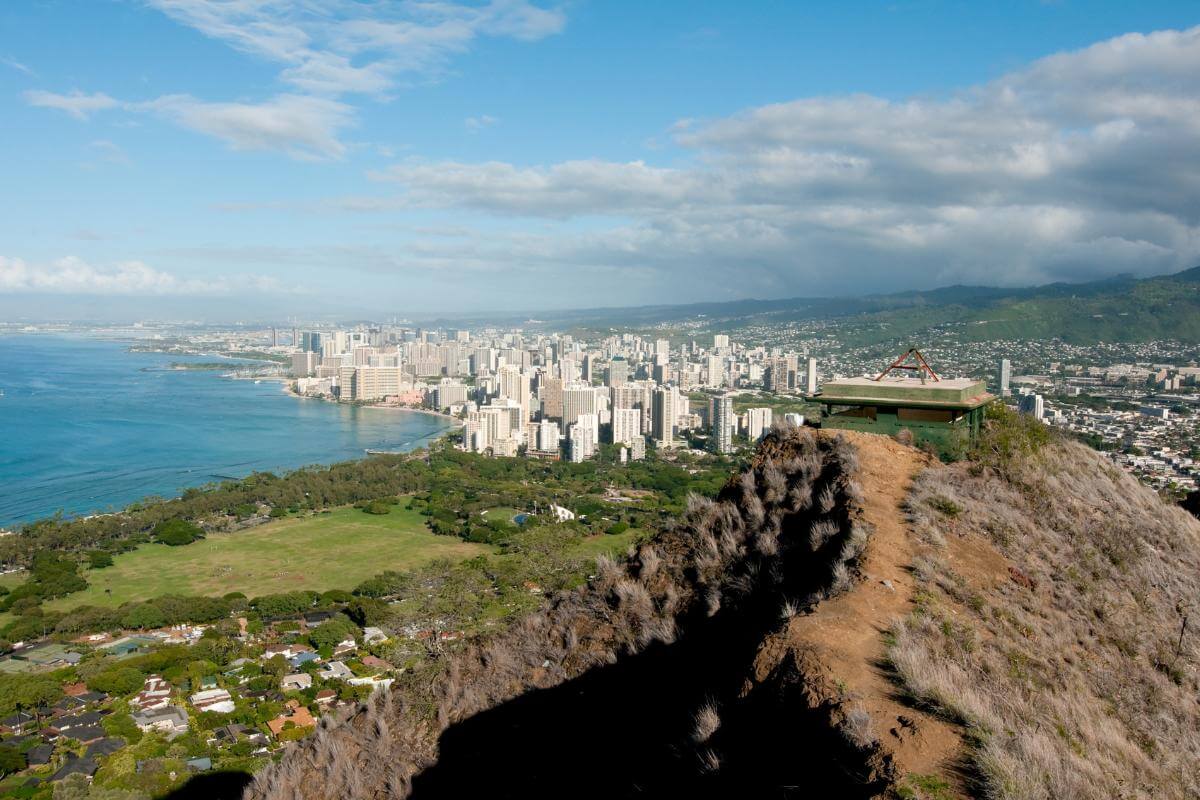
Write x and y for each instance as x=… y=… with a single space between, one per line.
x=947 y=413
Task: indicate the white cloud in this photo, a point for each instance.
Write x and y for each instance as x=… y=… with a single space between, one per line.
x=1073 y=167
x=475 y=124
x=304 y=127
x=319 y=41
x=73 y=275
x=17 y=65
x=77 y=104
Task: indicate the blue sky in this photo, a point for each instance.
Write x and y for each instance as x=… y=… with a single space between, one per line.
x=222 y=159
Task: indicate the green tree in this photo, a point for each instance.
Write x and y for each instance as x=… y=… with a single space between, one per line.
x=177 y=532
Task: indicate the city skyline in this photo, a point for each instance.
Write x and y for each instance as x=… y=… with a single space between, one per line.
x=217 y=160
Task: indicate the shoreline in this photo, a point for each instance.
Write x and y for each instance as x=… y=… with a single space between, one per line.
x=424 y=442
x=288 y=390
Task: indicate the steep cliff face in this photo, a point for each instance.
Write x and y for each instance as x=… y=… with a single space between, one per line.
x=650 y=681
x=847 y=619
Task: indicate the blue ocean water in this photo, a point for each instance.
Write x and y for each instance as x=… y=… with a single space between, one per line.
x=86 y=426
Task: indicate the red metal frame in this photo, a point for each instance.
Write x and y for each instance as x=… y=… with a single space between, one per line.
x=921 y=366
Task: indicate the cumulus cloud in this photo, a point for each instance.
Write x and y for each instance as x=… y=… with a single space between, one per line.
x=319 y=41
x=72 y=275
x=304 y=127
x=1071 y=168
x=77 y=104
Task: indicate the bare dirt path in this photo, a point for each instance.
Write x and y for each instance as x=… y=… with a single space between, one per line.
x=844 y=637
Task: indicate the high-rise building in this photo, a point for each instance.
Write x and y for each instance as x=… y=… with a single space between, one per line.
x=810 y=377
x=758 y=422
x=577 y=399
x=720 y=341
x=722 y=423
x=626 y=425
x=618 y=371
x=311 y=341
x=665 y=410
x=715 y=371
x=1003 y=377
x=550 y=392
x=304 y=364
x=583 y=438
x=775 y=376
x=1033 y=404
x=547 y=437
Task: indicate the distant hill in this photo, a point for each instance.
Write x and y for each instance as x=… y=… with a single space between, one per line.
x=1121 y=309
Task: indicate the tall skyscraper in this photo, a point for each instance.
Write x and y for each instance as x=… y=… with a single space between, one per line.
x=577 y=399
x=810 y=377
x=722 y=423
x=550 y=392
x=663 y=415
x=618 y=371
x=1003 y=377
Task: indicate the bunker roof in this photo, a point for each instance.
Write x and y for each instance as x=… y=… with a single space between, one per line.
x=955 y=393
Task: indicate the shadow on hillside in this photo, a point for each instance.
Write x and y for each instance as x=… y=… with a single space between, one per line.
x=212 y=786
x=626 y=730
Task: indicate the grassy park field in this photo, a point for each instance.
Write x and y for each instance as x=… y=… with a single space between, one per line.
x=334 y=550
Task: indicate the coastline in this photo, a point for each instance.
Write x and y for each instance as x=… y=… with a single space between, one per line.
x=94 y=485
x=287 y=389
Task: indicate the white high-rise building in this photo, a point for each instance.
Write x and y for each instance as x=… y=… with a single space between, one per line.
x=720 y=341
x=583 y=438
x=626 y=425
x=758 y=422
x=577 y=398
x=810 y=377
x=547 y=437
x=1003 y=377
x=663 y=416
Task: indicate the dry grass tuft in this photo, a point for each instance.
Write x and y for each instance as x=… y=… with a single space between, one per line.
x=1067 y=670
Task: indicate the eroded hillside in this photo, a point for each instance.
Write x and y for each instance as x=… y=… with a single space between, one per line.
x=849 y=618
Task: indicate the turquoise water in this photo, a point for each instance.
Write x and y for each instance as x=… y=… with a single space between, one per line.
x=86 y=426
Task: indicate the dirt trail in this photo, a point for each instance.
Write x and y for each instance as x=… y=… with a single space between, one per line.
x=843 y=639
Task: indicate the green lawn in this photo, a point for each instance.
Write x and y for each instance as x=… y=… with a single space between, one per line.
x=326 y=551
x=504 y=513
x=605 y=544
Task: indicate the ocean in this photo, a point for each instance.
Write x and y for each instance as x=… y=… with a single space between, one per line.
x=86 y=427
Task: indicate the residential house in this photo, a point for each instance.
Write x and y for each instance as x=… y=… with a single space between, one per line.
x=373 y=635
x=104 y=747
x=326 y=698
x=335 y=670
x=300 y=659
x=297 y=715
x=297 y=681
x=171 y=720
x=81 y=766
x=376 y=662
x=18 y=722
x=216 y=700
x=155 y=694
